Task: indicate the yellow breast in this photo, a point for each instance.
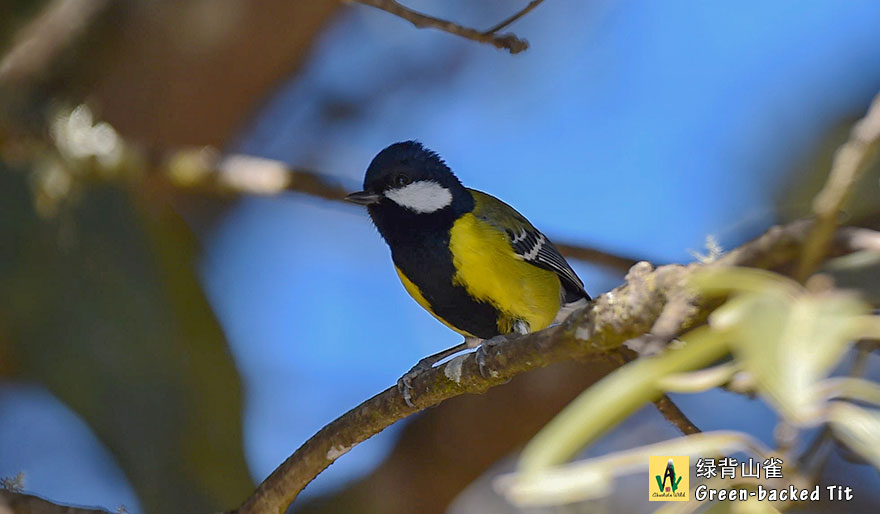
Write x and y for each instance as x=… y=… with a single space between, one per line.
x=488 y=268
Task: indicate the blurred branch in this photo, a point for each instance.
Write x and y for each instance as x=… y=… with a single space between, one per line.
x=596 y=256
x=508 y=42
x=14 y=502
x=628 y=311
x=199 y=169
x=153 y=67
x=54 y=30
x=850 y=161
x=204 y=170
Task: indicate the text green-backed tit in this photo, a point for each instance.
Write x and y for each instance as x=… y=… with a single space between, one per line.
x=468 y=258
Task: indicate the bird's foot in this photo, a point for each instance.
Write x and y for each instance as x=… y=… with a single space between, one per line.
x=482 y=357
x=404 y=383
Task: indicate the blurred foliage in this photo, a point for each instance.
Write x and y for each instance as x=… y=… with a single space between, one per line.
x=794 y=201
x=99 y=297
x=786 y=337
x=795 y=197
x=15 y=13
x=99 y=301
x=785 y=340
x=594 y=478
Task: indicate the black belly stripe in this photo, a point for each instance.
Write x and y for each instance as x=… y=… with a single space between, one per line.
x=429 y=266
x=420 y=249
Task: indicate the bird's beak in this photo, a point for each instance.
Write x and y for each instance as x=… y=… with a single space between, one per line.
x=363 y=198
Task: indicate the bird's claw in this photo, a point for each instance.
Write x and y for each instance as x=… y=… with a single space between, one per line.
x=481 y=356
x=404 y=383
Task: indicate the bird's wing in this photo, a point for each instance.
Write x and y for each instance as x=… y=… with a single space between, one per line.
x=527 y=242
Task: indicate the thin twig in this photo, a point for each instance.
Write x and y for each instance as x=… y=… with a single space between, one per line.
x=674 y=415
x=850 y=161
x=507 y=42
x=626 y=312
x=525 y=10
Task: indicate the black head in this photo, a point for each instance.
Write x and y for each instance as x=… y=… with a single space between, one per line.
x=408 y=179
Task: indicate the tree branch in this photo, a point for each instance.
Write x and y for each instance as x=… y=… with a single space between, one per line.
x=674 y=415
x=613 y=318
x=508 y=42
x=850 y=161
x=525 y=10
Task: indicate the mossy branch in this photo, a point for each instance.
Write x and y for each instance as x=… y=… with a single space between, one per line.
x=627 y=312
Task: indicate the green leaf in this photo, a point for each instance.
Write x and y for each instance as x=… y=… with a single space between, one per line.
x=714 y=281
x=593 y=478
x=698 y=381
x=614 y=397
x=858 y=428
x=851 y=388
x=788 y=338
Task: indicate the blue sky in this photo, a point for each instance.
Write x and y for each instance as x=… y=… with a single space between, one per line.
x=637 y=126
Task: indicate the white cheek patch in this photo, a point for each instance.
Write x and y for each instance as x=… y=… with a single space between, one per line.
x=423 y=196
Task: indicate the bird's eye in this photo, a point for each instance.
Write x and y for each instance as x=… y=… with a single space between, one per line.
x=402 y=180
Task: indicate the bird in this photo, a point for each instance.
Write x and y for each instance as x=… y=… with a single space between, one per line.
x=469 y=259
